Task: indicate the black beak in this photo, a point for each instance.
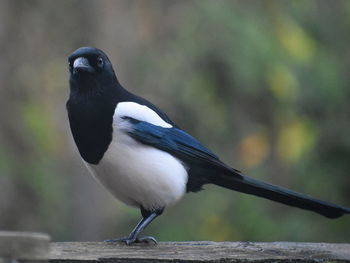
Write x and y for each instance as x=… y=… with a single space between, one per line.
x=81 y=64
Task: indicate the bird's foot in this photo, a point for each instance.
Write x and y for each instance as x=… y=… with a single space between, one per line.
x=133 y=240
x=147 y=240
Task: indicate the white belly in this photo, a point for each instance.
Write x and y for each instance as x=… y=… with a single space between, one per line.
x=140 y=175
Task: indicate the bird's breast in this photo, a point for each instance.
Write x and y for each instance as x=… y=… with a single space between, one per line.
x=91 y=126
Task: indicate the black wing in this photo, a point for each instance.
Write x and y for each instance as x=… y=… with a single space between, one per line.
x=177 y=142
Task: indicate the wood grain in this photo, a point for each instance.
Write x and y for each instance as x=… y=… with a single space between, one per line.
x=200 y=252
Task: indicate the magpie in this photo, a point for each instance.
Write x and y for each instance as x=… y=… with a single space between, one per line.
x=142 y=157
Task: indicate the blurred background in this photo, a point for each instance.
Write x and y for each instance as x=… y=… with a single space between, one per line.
x=264 y=84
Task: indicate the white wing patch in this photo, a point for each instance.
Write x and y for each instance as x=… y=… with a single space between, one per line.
x=139 y=112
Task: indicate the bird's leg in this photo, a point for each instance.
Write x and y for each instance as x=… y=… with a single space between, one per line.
x=133 y=237
x=148 y=217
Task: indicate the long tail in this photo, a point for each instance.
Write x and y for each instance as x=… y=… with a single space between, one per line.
x=244 y=184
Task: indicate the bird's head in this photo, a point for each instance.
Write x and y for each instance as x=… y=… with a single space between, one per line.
x=90 y=70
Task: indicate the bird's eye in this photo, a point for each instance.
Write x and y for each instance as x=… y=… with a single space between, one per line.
x=100 y=62
x=70 y=66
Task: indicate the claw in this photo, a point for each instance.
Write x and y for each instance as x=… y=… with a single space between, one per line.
x=147 y=239
x=130 y=240
x=116 y=240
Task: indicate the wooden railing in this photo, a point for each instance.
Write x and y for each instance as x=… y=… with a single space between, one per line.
x=31 y=247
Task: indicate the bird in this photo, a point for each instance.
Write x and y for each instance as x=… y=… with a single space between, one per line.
x=142 y=157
